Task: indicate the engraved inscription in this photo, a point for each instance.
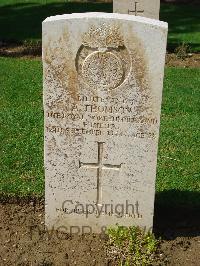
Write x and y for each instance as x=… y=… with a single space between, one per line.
x=100 y=167
x=103 y=118
x=88 y=116
x=97 y=132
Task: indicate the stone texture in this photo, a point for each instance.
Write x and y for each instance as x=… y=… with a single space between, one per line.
x=103 y=78
x=144 y=8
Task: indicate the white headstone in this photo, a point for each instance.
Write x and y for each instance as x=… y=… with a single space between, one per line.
x=103 y=79
x=143 y=8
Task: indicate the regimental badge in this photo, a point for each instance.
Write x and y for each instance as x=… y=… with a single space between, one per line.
x=103 y=61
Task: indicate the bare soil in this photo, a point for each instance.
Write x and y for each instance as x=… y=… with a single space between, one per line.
x=19 y=50
x=192 y=60
x=24 y=240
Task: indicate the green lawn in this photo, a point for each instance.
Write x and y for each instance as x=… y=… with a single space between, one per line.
x=21 y=20
x=179 y=149
x=21 y=134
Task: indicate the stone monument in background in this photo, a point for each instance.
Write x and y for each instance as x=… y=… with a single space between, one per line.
x=144 y=8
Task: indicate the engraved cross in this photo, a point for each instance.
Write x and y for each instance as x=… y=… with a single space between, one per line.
x=135 y=11
x=100 y=167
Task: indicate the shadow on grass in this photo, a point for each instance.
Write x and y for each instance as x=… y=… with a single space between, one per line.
x=184 y=24
x=21 y=22
x=177 y=213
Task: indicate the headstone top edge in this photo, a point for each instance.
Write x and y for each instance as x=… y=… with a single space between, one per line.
x=118 y=16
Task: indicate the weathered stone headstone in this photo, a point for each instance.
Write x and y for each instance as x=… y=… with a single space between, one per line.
x=143 y=8
x=103 y=78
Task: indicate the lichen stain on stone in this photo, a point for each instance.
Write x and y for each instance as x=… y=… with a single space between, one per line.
x=60 y=68
x=140 y=69
x=139 y=62
x=141 y=75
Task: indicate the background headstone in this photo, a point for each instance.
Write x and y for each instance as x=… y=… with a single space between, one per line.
x=144 y=8
x=103 y=78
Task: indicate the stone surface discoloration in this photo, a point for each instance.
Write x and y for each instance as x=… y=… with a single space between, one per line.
x=103 y=77
x=144 y=8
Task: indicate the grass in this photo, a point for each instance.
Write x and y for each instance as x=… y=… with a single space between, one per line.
x=21 y=135
x=131 y=246
x=21 y=20
x=179 y=149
